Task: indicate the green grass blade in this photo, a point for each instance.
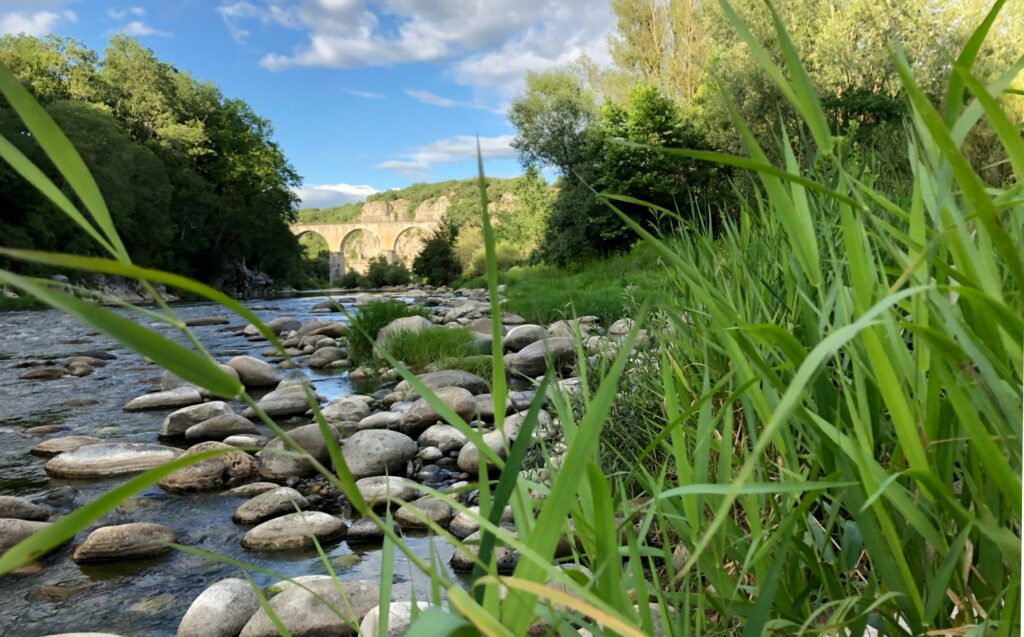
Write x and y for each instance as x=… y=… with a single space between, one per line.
x=955 y=88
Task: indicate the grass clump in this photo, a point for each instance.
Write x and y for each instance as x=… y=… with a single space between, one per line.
x=426 y=347
x=20 y=303
x=369 y=319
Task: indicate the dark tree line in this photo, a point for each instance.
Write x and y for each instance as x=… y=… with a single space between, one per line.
x=194 y=181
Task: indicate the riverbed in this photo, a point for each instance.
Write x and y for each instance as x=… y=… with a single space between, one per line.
x=147 y=597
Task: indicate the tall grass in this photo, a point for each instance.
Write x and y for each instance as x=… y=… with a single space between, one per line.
x=368 y=319
x=837 y=422
x=420 y=349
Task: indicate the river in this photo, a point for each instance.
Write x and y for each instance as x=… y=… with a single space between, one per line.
x=148 y=597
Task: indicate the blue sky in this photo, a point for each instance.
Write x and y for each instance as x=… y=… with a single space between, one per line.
x=364 y=95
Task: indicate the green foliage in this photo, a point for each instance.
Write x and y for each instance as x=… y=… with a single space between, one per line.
x=437 y=263
x=368 y=319
x=419 y=350
x=381 y=273
x=193 y=180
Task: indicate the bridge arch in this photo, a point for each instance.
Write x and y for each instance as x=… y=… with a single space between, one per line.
x=409 y=243
x=358 y=247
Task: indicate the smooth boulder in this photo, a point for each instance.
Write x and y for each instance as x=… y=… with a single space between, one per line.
x=346 y=409
x=375 y=452
x=292 y=531
x=532 y=360
x=522 y=335
x=124 y=542
x=13 y=531
x=445 y=378
x=269 y=504
x=178 y=422
x=222 y=610
x=12 y=507
x=304 y=613
x=179 y=397
x=422 y=414
x=109 y=459
x=54 y=446
x=399 y=619
x=380 y=489
x=254 y=372
x=221 y=427
x=277 y=466
x=404 y=324
x=444 y=437
x=227 y=470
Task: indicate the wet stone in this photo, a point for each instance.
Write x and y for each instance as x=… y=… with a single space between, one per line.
x=125 y=542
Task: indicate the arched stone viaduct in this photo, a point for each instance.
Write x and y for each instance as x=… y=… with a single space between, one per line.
x=352 y=245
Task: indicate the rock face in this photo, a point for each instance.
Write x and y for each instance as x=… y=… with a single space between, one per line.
x=399 y=619
x=378 y=489
x=532 y=359
x=253 y=372
x=445 y=378
x=522 y=335
x=222 y=610
x=109 y=459
x=404 y=324
x=177 y=423
x=54 y=446
x=422 y=414
x=21 y=509
x=269 y=504
x=292 y=531
x=124 y=542
x=219 y=472
x=376 y=452
x=305 y=615
x=13 y=531
x=179 y=397
x=220 y=427
x=346 y=409
x=275 y=466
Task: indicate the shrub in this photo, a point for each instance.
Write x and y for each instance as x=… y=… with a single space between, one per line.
x=369 y=319
x=436 y=262
x=349 y=280
x=425 y=347
x=381 y=273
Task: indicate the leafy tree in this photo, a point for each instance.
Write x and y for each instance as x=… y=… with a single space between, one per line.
x=436 y=263
x=524 y=225
x=551 y=120
x=380 y=273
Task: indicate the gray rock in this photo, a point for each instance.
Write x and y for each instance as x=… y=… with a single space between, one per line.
x=201 y=321
x=445 y=378
x=422 y=414
x=444 y=437
x=620 y=327
x=21 y=509
x=109 y=459
x=404 y=324
x=283 y=324
x=220 y=427
x=381 y=420
x=124 y=542
x=253 y=372
x=346 y=409
x=379 y=489
x=245 y=441
x=570 y=329
x=275 y=466
x=532 y=359
x=222 y=610
x=179 y=397
x=292 y=531
x=253 y=489
x=399 y=619
x=270 y=504
x=44 y=373
x=303 y=613
x=505 y=558
x=53 y=446
x=178 y=422
x=463 y=525
x=13 y=531
x=485 y=406
x=435 y=510
x=325 y=356
x=228 y=470
x=170 y=381
x=80 y=370
x=522 y=335
x=364 y=530
x=429 y=454
x=290 y=400
x=375 y=452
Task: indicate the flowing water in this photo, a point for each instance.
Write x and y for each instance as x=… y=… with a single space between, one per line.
x=148 y=597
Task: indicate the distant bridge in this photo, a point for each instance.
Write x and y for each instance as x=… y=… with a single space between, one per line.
x=352 y=245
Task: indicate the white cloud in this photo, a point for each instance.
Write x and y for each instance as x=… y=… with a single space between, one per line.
x=139 y=29
x=429 y=98
x=366 y=94
x=450 y=150
x=121 y=14
x=34 y=23
x=333 y=194
x=487 y=43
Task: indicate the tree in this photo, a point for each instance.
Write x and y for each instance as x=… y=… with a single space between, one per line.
x=551 y=119
x=436 y=262
x=524 y=225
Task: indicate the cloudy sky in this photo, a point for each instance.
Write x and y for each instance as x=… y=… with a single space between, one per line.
x=364 y=95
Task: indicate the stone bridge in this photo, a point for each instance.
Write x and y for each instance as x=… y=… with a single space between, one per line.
x=354 y=244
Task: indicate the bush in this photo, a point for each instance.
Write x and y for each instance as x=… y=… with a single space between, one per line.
x=436 y=263
x=425 y=347
x=349 y=280
x=369 y=319
x=381 y=273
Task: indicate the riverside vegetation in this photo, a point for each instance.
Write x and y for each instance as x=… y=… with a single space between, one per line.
x=812 y=427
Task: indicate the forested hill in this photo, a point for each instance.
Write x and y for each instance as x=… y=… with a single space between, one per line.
x=463 y=200
x=193 y=179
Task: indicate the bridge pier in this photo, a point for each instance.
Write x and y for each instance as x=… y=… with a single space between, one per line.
x=336 y=268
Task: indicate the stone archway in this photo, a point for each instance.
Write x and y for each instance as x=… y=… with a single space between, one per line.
x=409 y=243
x=358 y=248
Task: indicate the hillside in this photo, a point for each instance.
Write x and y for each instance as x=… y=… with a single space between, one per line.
x=461 y=195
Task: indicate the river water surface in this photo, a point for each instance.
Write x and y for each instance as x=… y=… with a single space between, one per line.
x=149 y=597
